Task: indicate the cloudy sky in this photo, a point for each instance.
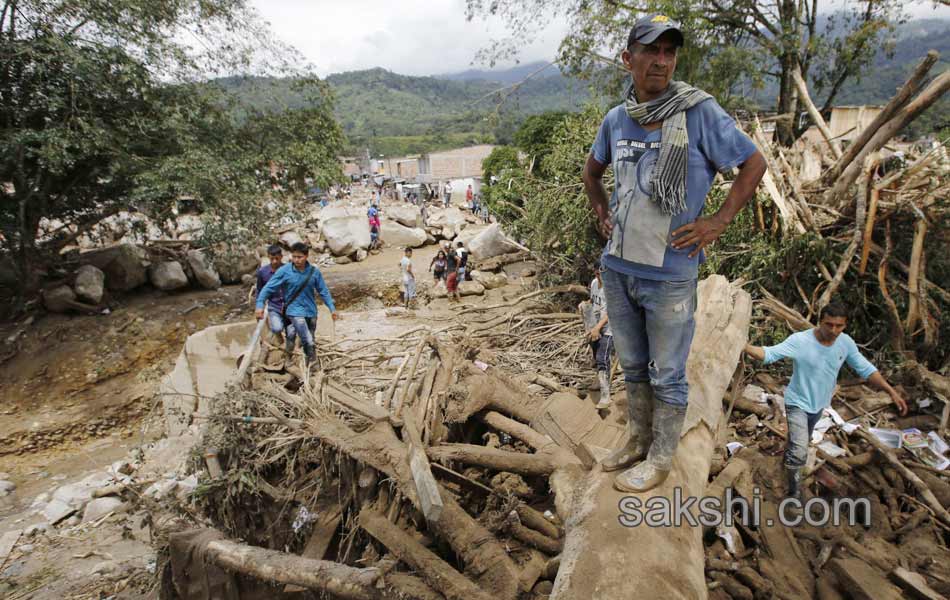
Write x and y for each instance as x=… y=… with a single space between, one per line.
x=412 y=37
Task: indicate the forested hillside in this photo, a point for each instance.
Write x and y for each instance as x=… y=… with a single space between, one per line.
x=398 y=114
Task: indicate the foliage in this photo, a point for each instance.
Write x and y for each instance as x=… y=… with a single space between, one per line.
x=501 y=159
x=100 y=112
x=534 y=135
x=549 y=210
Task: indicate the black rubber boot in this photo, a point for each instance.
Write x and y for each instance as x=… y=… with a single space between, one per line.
x=639 y=428
x=311 y=353
x=793 y=483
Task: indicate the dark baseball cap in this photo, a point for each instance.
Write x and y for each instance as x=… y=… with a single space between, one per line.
x=647 y=29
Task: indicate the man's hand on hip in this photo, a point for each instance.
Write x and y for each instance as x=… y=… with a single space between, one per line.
x=701 y=233
x=259 y=313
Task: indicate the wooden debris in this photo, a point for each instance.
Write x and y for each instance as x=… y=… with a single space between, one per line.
x=863 y=582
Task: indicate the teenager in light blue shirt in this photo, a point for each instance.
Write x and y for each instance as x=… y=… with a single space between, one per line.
x=817 y=355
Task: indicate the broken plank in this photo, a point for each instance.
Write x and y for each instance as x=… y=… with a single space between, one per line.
x=462 y=480
x=426 y=486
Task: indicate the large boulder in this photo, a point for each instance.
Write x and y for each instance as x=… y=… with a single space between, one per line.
x=490 y=280
x=59 y=299
x=395 y=234
x=90 y=283
x=233 y=263
x=471 y=288
x=405 y=214
x=100 y=507
x=346 y=234
x=167 y=275
x=442 y=217
x=492 y=242
x=125 y=265
x=205 y=274
x=289 y=238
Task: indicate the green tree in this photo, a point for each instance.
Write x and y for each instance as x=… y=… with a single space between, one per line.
x=534 y=135
x=101 y=111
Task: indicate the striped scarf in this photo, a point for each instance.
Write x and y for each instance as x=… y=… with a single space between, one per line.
x=669 y=173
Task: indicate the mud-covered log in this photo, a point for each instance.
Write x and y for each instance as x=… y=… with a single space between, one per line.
x=601 y=555
x=492 y=458
x=435 y=571
x=531 y=537
x=270 y=565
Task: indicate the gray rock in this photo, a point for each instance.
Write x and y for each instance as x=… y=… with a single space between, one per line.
x=289 y=238
x=90 y=283
x=232 y=263
x=405 y=214
x=56 y=510
x=346 y=233
x=168 y=276
x=342 y=260
x=72 y=521
x=361 y=255
x=205 y=274
x=394 y=234
x=25 y=548
x=491 y=242
x=7 y=486
x=125 y=265
x=59 y=299
x=100 y=507
x=490 y=280
x=471 y=288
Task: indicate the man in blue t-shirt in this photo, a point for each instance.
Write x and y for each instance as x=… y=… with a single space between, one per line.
x=665 y=143
x=817 y=355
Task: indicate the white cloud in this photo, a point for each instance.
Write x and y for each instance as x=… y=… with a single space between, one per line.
x=412 y=37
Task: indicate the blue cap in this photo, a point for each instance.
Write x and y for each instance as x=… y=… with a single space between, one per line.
x=647 y=29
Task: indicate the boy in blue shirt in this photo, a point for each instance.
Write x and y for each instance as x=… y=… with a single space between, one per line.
x=299 y=282
x=817 y=355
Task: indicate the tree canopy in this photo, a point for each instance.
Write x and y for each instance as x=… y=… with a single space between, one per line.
x=103 y=109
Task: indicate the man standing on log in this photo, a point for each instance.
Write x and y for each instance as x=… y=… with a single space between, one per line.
x=665 y=143
x=817 y=355
x=299 y=282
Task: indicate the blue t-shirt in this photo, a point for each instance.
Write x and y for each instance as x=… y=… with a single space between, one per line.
x=640 y=242
x=816 y=366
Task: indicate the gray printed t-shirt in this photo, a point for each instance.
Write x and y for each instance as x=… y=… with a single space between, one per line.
x=640 y=242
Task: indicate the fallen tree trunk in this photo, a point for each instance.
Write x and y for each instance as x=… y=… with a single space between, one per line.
x=270 y=565
x=435 y=571
x=601 y=557
x=492 y=458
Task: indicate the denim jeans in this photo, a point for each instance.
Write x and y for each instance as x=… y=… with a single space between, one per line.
x=603 y=350
x=305 y=327
x=275 y=321
x=800 y=426
x=653 y=325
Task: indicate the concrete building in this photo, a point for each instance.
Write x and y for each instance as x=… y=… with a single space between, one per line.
x=454 y=164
